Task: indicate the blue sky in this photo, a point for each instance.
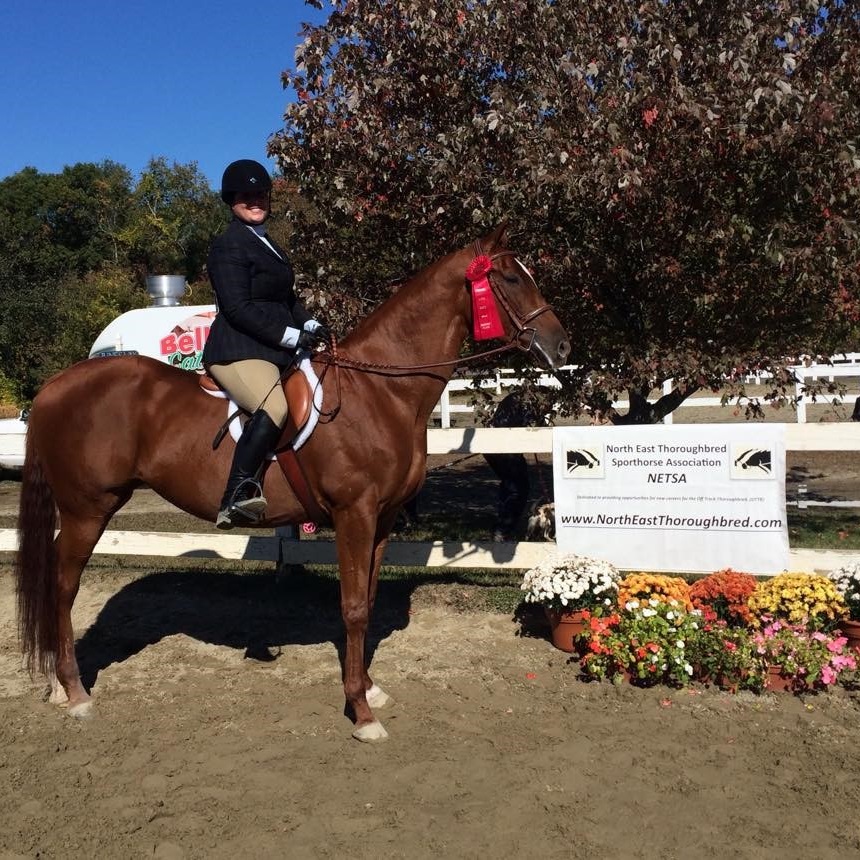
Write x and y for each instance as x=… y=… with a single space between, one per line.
x=89 y=80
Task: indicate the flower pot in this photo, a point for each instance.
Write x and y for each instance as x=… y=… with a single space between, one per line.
x=851 y=631
x=565 y=627
x=779 y=683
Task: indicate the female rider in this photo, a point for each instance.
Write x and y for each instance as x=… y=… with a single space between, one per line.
x=253 y=339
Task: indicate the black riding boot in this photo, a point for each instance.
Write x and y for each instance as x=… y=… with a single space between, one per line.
x=243 y=503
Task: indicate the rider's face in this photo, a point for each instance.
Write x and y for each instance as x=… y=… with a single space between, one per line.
x=251 y=207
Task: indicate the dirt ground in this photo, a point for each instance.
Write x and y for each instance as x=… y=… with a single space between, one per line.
x=200 y=750
x=220 y=730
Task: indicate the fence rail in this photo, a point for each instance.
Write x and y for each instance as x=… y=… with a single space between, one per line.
x=845 y=364
x=799 y=437
x=442 y=554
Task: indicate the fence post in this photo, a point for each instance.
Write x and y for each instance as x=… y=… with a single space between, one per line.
x=801 y=403
x=667 y=389
x=445 y=410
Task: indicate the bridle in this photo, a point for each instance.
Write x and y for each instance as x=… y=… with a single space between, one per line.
x=522 y=338
x=519 y=322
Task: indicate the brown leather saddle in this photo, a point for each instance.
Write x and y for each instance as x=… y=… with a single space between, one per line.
x=297 y=390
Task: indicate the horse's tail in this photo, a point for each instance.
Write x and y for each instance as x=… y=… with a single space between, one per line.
x=36 y=565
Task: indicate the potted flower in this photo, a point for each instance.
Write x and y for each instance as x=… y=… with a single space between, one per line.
x=726 y=593
x=645 y=640
x=565 y=585
x=847 y=582
x=798 y=598
x=801 y=658
x=647 y=586
x=726 y=656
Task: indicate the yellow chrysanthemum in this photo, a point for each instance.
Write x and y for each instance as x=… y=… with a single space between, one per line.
x=798 y=598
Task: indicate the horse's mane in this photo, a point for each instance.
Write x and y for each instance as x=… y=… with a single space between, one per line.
x=405 y=312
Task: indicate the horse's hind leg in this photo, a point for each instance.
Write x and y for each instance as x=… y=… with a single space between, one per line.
x=75 y=542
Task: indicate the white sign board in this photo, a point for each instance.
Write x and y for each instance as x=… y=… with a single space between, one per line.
x=694 y=497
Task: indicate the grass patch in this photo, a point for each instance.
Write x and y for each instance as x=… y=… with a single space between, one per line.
x=824 y=528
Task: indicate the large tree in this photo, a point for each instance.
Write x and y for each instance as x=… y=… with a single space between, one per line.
x=173 y=217
x=683 y=175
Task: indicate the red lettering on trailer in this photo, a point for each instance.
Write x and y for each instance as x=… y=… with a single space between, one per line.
x=186 y=342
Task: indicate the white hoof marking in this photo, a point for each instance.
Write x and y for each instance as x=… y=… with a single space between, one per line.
x=82 y=711
x=371 y=733
x=377 y=697
x=57 y=695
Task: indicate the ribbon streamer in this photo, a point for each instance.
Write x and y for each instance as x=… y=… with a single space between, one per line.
x=486 y=323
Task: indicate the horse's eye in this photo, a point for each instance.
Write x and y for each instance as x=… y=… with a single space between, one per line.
x=511 y=277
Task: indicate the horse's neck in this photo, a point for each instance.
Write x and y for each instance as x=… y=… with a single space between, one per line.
x=425 y=321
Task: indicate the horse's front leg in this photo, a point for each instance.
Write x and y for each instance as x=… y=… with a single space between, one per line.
x=376 y=696
x=355 y=534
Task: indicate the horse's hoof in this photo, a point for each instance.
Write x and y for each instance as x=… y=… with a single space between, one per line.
x=82 y=711
x=377 y=697
x=371 y=733
x=57 y=695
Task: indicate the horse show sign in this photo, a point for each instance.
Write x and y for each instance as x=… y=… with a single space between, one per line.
x=677 y=498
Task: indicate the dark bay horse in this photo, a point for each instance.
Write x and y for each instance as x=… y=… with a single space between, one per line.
x=104 y=427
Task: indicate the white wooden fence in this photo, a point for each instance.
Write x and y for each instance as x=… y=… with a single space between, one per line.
x=846 y=364
x=799 y=437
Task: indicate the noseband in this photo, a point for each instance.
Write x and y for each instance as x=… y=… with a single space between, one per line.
x=520 y=323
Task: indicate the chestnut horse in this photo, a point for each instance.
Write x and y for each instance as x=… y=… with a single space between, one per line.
x=104 y=427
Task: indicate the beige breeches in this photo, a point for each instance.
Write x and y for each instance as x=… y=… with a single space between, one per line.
x=253 y=384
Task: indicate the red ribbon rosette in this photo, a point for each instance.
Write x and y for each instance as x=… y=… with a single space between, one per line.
x=479 y=268
x=486 y=323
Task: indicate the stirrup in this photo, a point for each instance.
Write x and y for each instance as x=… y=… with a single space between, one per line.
x=242 y=512
x=246 y=513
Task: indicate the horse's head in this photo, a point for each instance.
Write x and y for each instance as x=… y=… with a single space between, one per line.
x=524 y=314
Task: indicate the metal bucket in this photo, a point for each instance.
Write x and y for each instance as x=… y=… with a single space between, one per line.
x=165 y=290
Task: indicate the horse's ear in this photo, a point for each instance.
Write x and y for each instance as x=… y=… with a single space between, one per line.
x=497 y=238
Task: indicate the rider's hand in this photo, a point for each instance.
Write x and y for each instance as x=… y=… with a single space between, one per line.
x=310 y=339
x=317 y=328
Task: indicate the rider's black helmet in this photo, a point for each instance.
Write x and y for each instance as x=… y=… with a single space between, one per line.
x=246 y=176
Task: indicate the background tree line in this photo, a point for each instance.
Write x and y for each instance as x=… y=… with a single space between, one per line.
x=74 y=251
x=684 y=179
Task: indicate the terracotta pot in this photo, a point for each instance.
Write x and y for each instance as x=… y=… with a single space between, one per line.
x=851 y=631
x=779 y=683
x=565 y=627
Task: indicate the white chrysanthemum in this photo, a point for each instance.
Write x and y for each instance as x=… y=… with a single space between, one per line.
x=569 y=579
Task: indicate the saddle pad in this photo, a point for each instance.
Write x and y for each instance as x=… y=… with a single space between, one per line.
x=305 y=431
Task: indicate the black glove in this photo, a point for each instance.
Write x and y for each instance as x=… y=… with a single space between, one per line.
x=311 y=339
x=323 y=334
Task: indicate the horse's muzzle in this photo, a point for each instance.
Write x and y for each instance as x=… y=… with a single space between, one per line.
x=554 y=355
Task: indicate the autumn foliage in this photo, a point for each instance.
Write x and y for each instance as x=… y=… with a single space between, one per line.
x=683 y=176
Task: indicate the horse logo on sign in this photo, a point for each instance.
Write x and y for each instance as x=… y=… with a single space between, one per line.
x=583 y=462
x=752 y=463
